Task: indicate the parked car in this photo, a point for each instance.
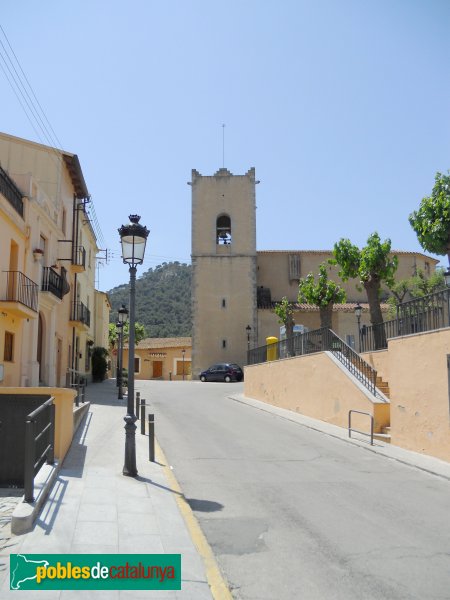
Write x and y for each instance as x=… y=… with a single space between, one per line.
x=222 y=372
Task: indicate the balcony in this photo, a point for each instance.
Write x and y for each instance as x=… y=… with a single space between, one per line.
x=78 y=259
x=19 y=296
x=9 y=190
x=53 y=282
x=80 y=314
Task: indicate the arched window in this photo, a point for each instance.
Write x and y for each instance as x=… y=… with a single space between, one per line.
x=223 y=230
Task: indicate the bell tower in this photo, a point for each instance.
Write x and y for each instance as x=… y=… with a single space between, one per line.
x=223 y=267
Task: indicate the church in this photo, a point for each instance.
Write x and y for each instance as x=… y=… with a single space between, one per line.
x=235 y=286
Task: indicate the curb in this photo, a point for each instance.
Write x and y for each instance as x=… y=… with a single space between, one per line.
x=216 y=581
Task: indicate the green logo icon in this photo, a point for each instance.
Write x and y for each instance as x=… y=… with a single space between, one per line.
x=95 y=572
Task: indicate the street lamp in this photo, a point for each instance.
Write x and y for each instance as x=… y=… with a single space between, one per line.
x=183 y=352
x=133 y=238
x=358 y=311
x=122 y=319
x=248 y=330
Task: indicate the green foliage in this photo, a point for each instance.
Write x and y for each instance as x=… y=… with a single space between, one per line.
x=284 y=311
x=417 y=286
x=323 y=293
x=99 y=363
x=371 y=263
x=432 y=221
x=163 y=300
x=139 y=333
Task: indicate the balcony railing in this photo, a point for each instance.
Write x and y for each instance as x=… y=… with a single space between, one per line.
x=415 y=316
x=81 y=313
x=79 y=256
x=9 y=190
x=52 y=282
x=19 y=288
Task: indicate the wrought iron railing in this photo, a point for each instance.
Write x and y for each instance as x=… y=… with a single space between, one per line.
x=79 y=256
x=415 y=316
x=39 y=443
x=19 y=288
x=319 y=340
x=81 y=313
x=52 y=282
x=11 y=192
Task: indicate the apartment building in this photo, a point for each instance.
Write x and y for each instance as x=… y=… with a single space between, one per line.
x=48 y=250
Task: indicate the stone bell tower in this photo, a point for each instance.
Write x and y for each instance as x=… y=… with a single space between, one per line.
x=223 y=267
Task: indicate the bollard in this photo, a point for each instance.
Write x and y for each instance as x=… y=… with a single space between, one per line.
x=143 y=417
x=151 y=438
x=138 y=403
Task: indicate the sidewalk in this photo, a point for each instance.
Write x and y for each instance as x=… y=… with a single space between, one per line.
x=93 y=508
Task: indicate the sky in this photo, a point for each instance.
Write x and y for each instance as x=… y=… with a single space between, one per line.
x=342 y=106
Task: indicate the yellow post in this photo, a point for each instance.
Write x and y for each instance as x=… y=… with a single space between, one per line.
x=272 y=348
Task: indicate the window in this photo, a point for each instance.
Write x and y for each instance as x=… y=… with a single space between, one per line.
x=294 y=267
x=223 y=230
x=224 y=343
x=427 y=269
x=137 y=364
x=8 y=353
x=224 y=303
x=350 y=339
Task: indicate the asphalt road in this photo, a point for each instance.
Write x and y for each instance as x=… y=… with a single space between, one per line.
x=292 y=513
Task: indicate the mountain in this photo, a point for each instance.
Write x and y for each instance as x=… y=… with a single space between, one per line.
x=163 y=300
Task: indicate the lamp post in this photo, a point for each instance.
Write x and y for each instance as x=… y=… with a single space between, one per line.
x=358 y=311
x=248 y=330
x=133 y=238
x=122 y=319
x=183 y=352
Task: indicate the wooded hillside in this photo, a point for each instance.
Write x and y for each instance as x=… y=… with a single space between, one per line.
x=163 y=300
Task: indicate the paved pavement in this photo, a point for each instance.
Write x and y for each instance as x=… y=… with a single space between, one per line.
x=93 y=508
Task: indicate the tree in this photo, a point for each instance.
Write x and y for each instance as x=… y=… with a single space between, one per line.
x=323 y=294
x=371 y=265
x=99 y=363
x=139 y=333
x=432 y=221
x=416 y=286
x=285 y=313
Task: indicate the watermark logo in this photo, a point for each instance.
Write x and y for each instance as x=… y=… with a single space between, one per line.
x=95 y=572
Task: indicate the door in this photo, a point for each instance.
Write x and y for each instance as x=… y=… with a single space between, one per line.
x=157 y=368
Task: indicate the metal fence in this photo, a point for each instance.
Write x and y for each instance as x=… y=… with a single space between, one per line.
x=77 y=380
x=52 y=282
x=415 y=316
x=19 y=288
x=39 y=443
x=319 y=340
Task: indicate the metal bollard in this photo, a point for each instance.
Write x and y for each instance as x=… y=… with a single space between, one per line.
x=151 y=438
x=143 y=417
x=138 y=403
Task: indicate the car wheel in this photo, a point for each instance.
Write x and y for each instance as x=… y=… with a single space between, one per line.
x=227 y=378
x=203 y=378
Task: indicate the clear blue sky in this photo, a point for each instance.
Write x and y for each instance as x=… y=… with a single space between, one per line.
x=342 y=106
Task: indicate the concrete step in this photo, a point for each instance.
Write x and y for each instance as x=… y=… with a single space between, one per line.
x=382 y=437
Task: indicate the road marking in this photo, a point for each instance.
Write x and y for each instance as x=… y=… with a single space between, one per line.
x=217 y=583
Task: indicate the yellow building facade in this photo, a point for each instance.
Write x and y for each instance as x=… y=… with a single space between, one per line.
x=48 y=252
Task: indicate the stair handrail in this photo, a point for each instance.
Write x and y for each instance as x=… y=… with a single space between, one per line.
x=357 y=366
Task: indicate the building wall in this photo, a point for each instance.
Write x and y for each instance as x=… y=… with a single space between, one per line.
x=419 y=384
x=169 y=357
x=273 y=271
x=43 y=177
x=224 y=275
x=315 y=386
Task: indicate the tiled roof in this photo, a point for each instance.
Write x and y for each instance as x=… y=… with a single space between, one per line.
x=173 y=342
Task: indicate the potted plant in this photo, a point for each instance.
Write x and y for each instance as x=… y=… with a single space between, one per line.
x=38 y=253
